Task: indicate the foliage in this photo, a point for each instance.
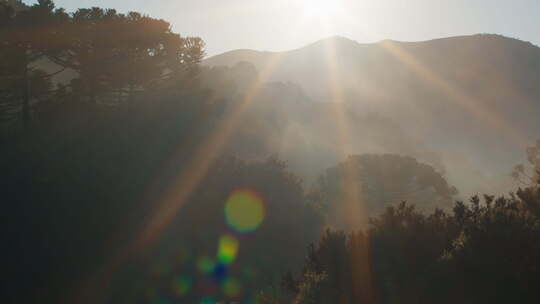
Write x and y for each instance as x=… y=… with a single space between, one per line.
x=79 y=175
x=482 y=252
x=27 y=35
x=264 y=254
x=529 y=176
x=102 y=143
x=381 y=181
x=108 y=58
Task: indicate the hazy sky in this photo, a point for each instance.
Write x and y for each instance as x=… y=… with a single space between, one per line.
x=287 y=24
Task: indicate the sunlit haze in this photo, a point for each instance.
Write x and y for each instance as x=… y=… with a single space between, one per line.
x=270 y=152
x=287 y=24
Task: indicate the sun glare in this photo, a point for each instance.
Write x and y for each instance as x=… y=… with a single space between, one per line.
x=322 y=8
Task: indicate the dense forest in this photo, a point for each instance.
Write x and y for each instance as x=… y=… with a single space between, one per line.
x=135 y=172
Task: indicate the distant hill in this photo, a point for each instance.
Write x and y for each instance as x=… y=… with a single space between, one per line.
x=365 y=67
x=473 y=99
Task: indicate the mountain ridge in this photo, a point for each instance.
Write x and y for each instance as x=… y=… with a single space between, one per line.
x=210 y=60
x=479 y=92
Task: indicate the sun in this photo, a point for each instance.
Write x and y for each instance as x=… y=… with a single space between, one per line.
x=323 y=8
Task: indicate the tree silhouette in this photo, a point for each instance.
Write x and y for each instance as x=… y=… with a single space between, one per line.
x=484 y=251
x=28 y=36
x=80 y=163
x=276 y=246
x=102 y=143
x=382 y=180
x=116 y=55
x=529 y=176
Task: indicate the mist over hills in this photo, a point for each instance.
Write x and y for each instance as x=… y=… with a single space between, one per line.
x=466 y=105
x=337 y=172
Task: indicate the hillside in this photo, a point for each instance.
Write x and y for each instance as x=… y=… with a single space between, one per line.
x=473 y=100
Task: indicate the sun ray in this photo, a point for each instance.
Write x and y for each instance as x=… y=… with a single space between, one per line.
x=355 y=213
x=169 y=205
x=208 y=152
x=94 y=288
x=462 y=99
x=204 y=158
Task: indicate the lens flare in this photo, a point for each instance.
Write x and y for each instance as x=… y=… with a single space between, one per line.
x=220 y=272
x=205 y=264
x=232 y=288
x=161 y=301
x=244 y=211
x=182 y=285
x=228 y=249
x=209 y=301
